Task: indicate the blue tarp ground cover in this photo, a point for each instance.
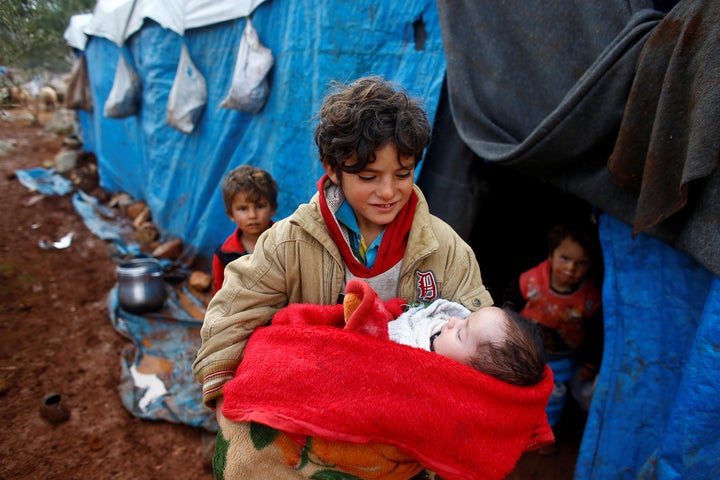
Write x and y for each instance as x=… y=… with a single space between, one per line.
x=106 y=223
x=163 y=347
x=156 y=381
x=656 y=410
x=44 y=180
x=179 y=175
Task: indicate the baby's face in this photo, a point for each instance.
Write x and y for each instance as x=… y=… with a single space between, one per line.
x=459 y=337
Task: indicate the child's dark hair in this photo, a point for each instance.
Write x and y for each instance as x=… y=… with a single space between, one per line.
x=357 y=119
x=254 y=182
x=520 y=360
x=581 y=233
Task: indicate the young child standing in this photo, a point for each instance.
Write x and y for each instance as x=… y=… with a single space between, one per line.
x=250 y=197
x=561 y=295
x=368 y=220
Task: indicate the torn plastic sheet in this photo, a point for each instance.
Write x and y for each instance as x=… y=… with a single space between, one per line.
x=61 y=244
x=45 y=181
x=151 y=383
x=105 y=223
x=157 y=381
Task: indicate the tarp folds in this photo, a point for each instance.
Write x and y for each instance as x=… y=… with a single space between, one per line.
x=677 y=79
x=547 y=98
x=654 y=414
x=539 y=95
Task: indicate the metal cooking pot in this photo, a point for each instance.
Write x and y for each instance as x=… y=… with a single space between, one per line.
x=140 y=285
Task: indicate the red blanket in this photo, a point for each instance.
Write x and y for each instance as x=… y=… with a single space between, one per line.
x=306 y=377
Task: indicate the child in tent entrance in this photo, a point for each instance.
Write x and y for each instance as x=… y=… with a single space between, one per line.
x=368 y=220
x=562 y=296
x=250 y=197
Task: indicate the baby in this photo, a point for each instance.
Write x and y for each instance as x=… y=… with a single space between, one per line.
x=495 y=341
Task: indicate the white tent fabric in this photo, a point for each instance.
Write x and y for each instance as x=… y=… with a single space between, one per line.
x=74 y=35
x=116 y=20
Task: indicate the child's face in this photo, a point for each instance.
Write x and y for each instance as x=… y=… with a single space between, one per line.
x=459 y=339
x=378 y=193
x=252 y=218
x=569 y=265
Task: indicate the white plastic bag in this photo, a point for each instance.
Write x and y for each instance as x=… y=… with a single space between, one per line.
x=188 y=95
x=125 y=96
x=249 y=89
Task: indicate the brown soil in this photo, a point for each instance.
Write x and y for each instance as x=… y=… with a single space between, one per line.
x=56 y=337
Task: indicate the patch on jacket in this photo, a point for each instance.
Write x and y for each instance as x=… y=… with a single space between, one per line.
x=426 y=286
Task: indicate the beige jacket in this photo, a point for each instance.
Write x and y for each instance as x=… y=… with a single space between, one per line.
x=296 y=261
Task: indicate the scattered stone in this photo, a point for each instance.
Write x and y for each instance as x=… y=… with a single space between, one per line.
x=121 y=201
x=146 y=233
x=200 y=281
x=142 y=217
x=63 y=122
x=72 y=142
x=171 y=249
x=7 y=146
x=66 y=160
x=134 y=209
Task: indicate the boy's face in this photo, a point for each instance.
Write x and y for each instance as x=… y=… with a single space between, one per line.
x=252 y=218
x=459 y=339
x=569 y=265
x=378 y=193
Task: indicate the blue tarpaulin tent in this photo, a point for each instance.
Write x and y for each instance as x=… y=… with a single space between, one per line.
x=179 y=174
x=541 y=88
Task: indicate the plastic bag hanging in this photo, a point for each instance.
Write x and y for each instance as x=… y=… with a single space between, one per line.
x=250 y=88
x=188 y=95
x=79 y=95
x=125 y=96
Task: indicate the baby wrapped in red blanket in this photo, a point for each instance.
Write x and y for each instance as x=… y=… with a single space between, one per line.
x=323 y=390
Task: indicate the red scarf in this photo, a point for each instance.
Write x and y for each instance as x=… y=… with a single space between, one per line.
x=392 y=246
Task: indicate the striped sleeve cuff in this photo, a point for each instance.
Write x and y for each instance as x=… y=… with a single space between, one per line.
x=212 y=385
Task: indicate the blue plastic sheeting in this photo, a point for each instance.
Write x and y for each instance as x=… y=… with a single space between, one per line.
x=166 y=341
x=656 y=410
x=44 y=180
x=164 y=345
x=179 y=175
x=106 y=223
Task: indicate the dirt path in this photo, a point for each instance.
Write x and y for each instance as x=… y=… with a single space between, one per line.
x=56 y=336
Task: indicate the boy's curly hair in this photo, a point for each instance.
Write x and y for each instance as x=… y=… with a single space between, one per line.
x=254 y=182
x=358 y=118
